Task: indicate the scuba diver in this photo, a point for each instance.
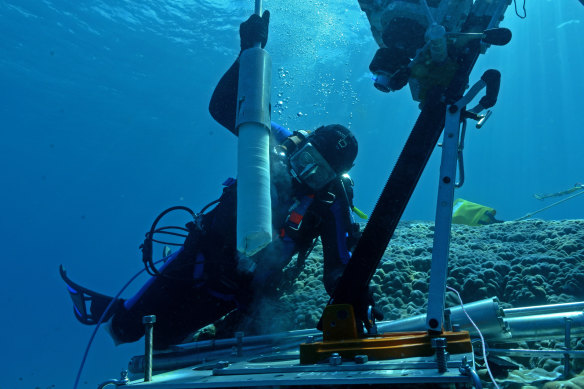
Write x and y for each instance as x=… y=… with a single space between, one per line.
x=311 y=197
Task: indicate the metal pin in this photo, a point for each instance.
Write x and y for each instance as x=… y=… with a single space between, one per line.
x=239 y=339
x=447 y=322
x=148 y=322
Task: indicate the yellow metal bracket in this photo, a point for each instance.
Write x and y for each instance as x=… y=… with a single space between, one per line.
x=340 y=336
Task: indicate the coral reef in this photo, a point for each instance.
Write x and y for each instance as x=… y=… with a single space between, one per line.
x=523 y=263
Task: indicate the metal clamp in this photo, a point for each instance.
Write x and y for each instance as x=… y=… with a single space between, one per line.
x=123 y=380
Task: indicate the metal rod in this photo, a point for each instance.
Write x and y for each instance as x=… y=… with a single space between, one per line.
x=471 y=94
x=173 y=361
x=544 y=309
x=429 y=16
x=539 y=353
x=271 y=339
x=148 y=322
x=568 y=347
x=548 y=207
x=258 y=7
x=239 y=339
x=443 y=223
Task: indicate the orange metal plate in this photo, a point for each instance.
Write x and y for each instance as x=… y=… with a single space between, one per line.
x=386 y=346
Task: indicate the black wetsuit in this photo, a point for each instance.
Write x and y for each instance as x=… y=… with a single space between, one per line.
x=201 y=282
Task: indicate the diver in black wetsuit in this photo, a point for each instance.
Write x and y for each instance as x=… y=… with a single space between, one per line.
x=200 y=283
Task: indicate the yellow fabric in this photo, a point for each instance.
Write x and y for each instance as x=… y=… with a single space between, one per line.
x=471 y=214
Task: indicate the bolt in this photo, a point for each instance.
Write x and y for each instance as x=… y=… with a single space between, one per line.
x=335 y=359
x=124 y=376
x=464 y=368
x=361 y=359
x=148 y=322
x=439 y=345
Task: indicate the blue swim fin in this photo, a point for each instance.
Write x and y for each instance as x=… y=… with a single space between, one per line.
x=88 y=306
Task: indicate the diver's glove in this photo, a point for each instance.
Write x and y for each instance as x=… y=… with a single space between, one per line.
x=254 y=30
x=366 y=312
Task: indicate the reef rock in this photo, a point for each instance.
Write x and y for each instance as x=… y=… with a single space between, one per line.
x=522 y=263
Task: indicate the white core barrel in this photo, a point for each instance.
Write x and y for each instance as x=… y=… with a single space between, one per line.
x=254 y=212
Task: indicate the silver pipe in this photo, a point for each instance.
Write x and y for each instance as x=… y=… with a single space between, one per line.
x=536 y=353
x=544 y=309
x=542 y=326
x=485 y=313
x=272 y=339
x=173 y=361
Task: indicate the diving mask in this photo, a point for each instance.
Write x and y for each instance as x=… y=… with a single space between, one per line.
x=309 y=167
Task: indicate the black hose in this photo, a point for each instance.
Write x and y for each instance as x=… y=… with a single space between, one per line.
x=146 y=247
x=475 y=379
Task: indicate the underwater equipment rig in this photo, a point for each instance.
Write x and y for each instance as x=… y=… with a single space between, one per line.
x=275 y=360
x=434 y=348
x=443 y=107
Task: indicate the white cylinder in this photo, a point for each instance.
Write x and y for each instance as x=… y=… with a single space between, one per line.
x=254 y=211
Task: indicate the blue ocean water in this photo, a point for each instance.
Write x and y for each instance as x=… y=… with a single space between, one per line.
x=104 y=123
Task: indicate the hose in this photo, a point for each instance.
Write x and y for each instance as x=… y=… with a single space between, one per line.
x=100 y=321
